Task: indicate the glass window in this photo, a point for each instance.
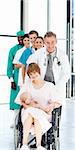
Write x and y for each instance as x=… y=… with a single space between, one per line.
x=37 y=16
x=57 y=21
x=9 y=16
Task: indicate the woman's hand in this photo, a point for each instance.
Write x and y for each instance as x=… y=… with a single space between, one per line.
x=24 y=104
x=50 y=107
x=57 y=104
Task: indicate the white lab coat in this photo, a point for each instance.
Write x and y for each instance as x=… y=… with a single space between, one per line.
x=16 y=61
x=61 y=72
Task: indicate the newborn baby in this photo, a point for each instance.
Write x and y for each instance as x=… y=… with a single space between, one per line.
x=25 y=98
x=26 y=101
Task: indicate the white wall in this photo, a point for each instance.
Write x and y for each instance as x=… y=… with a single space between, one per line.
x=9 y=24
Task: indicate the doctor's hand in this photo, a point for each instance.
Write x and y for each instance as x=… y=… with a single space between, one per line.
x=13 y=85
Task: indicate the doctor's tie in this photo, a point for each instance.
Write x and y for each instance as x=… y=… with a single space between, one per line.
x=49 y=71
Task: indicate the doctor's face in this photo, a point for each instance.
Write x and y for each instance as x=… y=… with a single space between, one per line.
x=50 y=43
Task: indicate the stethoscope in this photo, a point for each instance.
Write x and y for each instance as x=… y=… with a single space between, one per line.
x=55 y=59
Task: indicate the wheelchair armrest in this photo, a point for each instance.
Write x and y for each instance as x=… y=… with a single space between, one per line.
x=57 y=110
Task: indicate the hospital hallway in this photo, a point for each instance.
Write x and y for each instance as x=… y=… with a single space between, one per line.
x=67 y=127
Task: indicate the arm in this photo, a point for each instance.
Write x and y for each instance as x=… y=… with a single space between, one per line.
x=24 y=105
x=37 y=105
x=52 y=106
x=10 y=64
x=23 y=72
x=10 y=68
x=18 y=65
x=65 y=70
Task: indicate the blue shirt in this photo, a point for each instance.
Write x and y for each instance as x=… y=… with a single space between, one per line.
x=25 y=55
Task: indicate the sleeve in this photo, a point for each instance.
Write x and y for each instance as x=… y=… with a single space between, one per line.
x=33 y=58
x=25 y=55
x=65 y=70
x=25 y=88
x=18 y=55
x=15 y=61
x=10 y=64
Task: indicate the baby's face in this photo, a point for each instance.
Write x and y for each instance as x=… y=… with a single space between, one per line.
x=25 y=98
x=28 y=99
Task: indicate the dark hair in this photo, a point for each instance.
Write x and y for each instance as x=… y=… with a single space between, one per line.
x=49 y=34
x=33 y=32
x=26 y=36
x=33 y=67
x=40 y=37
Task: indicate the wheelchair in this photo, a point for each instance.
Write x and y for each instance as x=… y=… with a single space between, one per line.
x=50 y=140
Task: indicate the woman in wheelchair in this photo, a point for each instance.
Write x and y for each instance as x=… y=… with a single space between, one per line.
x=38 y=98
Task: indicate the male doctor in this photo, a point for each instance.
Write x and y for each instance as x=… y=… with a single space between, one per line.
x=53 y=63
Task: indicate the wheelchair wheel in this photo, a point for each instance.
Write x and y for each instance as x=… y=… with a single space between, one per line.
x=54 y=146
x=16 y=134
x=57 y=143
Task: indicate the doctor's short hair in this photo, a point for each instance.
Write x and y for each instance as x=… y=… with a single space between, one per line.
x=49 y=34
x=32 y=68
x=33 y=32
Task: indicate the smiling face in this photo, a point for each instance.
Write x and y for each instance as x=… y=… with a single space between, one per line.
x=34 y=76
x=50 y=43
x=26 y=42
x=33 y=72
x=39 y=43
x=32 y=38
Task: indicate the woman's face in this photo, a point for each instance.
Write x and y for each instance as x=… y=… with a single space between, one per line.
x=26 y=42
x=39 y=43
x=34 y=76
x=32 y=38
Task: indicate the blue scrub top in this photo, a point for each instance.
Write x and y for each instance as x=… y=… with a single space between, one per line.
x=25 y=55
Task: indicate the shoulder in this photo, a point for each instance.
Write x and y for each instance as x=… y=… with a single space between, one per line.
x=41 y=50
x=61 y=53
x=36 y=55
x=27 y=52
x=14 y=46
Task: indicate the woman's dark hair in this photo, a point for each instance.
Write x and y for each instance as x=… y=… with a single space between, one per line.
x=33 y=67
x=26 y=36
x=40 y=37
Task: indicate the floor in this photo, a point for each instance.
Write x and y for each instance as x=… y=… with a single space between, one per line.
x=67 y=127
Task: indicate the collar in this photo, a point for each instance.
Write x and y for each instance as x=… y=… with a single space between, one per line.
x=53 y=54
